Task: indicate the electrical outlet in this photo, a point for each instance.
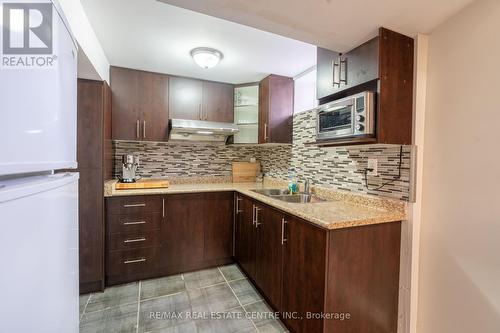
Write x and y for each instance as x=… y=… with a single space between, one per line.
x=373 y=164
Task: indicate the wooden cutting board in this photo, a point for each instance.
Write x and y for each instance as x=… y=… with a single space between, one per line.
x=143 y=184
x=245 y=172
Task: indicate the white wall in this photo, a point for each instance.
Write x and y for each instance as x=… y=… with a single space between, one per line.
x=305 y=91
x=459 y=272
x=86 y=37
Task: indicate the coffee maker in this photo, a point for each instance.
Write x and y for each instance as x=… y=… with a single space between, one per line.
x=130 y=163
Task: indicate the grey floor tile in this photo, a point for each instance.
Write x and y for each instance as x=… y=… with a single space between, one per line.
x=83 y=302
x=164 y=312
x=212 y=299
x=233 y=321
x=161 y=287
x=121 y=318
x=203 y=278
x=114 y=296
x=264 y=317
x=232 y=272
x=245 y=291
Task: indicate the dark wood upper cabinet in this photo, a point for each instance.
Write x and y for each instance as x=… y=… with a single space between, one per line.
x=384 y=65
x=201 y=100
x=140 y=105
x=218 y=102
x=276 y=109
x=185 y=99
x=337 y=72
x=326 y=65
x=94 y=156
x=395 y=91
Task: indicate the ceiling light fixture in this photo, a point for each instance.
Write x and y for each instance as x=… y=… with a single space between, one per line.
x=206 y=57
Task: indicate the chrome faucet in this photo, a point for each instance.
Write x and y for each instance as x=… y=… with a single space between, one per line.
x=307 y=187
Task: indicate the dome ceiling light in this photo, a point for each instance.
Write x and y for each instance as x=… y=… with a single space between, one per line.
x=206 y=57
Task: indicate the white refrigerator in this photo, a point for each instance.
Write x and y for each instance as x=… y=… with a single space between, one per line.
x=38 y=205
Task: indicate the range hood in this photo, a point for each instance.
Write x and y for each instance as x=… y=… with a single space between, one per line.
x=198 y=130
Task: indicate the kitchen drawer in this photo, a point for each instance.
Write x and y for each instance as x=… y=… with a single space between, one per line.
x=133 y=240
x=133 y=222
x=135 y=204
x=132 y=264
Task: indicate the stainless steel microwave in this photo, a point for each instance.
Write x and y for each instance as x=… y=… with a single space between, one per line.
x=353 y=116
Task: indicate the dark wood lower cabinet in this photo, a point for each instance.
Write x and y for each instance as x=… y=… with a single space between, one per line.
x=154 y=235
x=182 y=231
x=218 y=233
x=245 y=234
x=269 y=253
x=304 y=258
x=363 y=278
x=133 y=245
x=319 y=280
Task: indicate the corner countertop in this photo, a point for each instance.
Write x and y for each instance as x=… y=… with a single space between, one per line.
x=340 y=210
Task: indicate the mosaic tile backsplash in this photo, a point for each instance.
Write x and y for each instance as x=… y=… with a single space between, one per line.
x=338 y=168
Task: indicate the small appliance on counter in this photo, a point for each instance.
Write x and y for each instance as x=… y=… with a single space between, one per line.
x=353 y=116
x=130 y=163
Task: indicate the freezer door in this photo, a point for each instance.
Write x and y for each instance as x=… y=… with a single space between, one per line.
x=38 y=110
x=39 y=254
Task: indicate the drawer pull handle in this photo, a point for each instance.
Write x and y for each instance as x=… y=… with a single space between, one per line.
x=134 y=223
x=133 y=261
x=135 y=240
x=135 y=205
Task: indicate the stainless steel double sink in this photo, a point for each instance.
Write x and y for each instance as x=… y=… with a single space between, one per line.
x=284 y=195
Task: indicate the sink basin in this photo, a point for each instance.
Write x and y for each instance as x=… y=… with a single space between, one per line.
x=298 y=198
x=273 y=191
x=284 y=195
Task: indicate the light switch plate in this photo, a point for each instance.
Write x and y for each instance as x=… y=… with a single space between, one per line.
x=373 y=164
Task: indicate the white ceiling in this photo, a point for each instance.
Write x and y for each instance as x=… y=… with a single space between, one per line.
x=158 y=37
x=334 y=24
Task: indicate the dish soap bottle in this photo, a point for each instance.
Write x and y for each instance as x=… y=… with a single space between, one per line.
x=293 y=186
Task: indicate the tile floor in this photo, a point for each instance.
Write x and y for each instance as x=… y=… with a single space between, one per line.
x=213 y=300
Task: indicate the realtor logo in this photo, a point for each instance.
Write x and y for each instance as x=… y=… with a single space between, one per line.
x=27 y=28
x=27 y=35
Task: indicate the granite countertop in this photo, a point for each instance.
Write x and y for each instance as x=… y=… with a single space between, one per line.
x=340 y=210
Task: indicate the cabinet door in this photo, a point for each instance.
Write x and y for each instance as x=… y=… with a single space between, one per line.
x=185 y=98
x=152 y=96
x=269 y=250
x=218 y=102
x=245 y=236
x=304 y=271
x=140 y=105
x=218 y=211
x=264 y=105
x=360 y=65
x=182 y=230
x=276 y=109
x=90 y=115
x=126 y=114
x=325 y=71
